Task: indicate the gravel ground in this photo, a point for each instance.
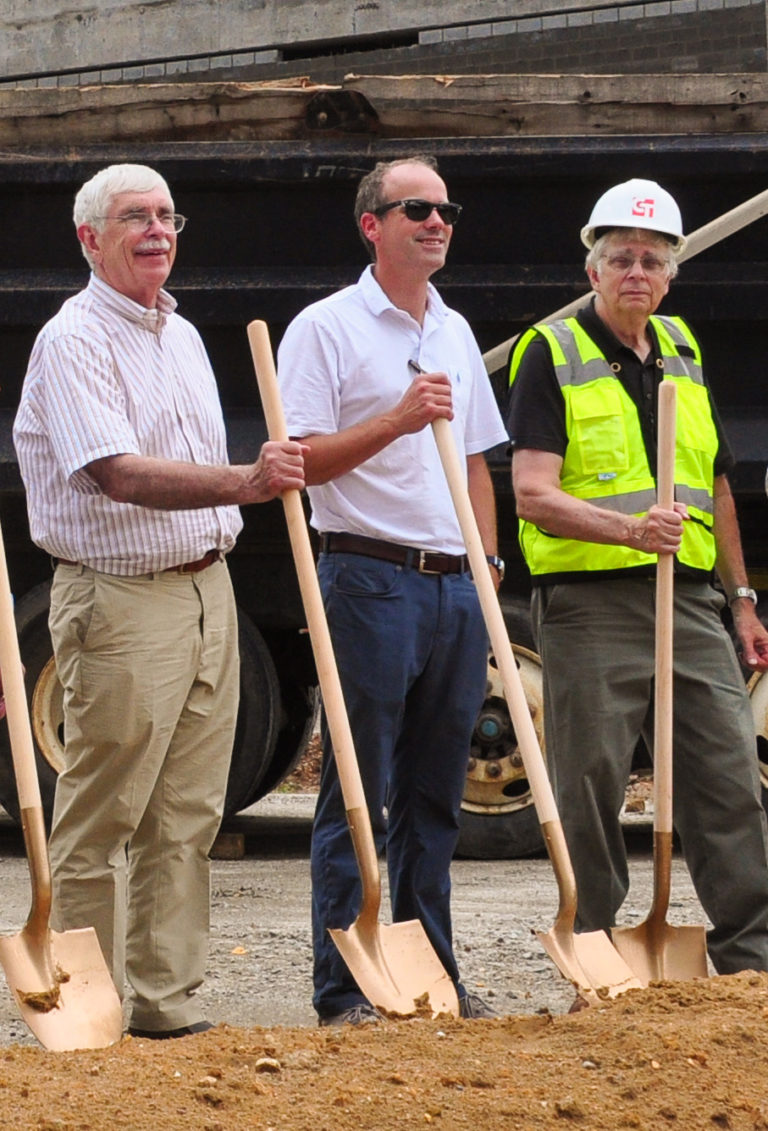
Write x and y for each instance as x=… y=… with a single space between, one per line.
x=260 y=957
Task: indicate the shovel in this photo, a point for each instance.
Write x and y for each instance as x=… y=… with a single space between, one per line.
x=588 y=960
x=655 y=950
x=60 y=980
x=395 y=966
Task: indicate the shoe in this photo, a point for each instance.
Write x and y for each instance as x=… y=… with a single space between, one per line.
x=171 y=1034
x=472 y=1006
x=579 y=1003
x=362 y=1014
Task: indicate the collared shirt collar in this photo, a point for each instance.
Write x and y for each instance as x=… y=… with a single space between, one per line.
x=377 y=300
x=150 y=319
x=604 y=336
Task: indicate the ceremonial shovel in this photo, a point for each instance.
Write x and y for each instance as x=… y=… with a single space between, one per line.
x=59 y=980
x=588 y=960
x=655 y=950
x=395 y=966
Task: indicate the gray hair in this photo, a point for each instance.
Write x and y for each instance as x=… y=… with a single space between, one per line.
x=597 y=251
x=94 y=199
x=370 y=191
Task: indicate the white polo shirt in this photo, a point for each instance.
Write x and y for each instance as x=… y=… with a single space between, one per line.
x=345 y=359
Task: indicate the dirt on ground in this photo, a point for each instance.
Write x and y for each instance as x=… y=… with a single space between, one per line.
x=684 y=1055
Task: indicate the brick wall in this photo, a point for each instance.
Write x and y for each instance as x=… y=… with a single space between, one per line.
x=668 y=36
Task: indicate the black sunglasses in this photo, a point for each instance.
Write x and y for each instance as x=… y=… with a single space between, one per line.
x=419 y=210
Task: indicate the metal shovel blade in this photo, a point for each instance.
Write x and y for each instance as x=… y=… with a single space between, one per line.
x=654 y=949
x=590 y=962
x=588 y=959
x=663 y=953
x=75 y=1006
x=396 y=967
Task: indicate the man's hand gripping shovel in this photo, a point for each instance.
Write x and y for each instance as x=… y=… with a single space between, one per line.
x=395 y=966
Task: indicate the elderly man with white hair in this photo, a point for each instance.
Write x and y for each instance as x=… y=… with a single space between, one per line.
x=121 y=445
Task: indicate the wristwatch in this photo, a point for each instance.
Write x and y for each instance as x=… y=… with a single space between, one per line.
x=743 y=591
x=498 y=563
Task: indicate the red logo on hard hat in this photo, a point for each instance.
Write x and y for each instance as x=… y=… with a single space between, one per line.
x=643 y=207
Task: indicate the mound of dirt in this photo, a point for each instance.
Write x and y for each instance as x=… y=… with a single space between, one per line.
x=688 y=1055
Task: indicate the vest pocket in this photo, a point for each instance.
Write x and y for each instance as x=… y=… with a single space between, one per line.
x=695 y=427
x=598 y=432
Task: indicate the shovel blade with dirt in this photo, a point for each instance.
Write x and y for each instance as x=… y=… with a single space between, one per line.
x=62 y=988
x=655 y=950
x=59 y=980
x=588 y=960
x=395 y=966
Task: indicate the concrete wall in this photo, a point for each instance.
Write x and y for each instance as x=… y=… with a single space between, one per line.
x=117 y=40
x=40 y=35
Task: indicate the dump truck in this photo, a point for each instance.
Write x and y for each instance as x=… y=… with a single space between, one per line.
x=267 y=177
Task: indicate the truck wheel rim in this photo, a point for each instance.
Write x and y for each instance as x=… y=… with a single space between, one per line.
x=496 y=781
x=47 y=716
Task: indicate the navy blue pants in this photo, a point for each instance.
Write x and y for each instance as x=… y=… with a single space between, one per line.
x=412 y=654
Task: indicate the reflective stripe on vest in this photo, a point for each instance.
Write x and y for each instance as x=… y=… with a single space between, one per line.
x=606 y=462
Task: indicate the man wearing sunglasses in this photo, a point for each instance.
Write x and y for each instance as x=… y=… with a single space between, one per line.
x=363 y=375
x=121 y=445
x=583 y=423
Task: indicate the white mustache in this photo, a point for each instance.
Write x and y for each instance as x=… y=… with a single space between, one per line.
x=154 y=245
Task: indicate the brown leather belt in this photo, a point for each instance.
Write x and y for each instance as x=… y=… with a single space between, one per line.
x=185 y=567
x=195 y=567
x=425 y=561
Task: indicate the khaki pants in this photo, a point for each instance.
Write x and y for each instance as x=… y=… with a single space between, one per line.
x=149 y=667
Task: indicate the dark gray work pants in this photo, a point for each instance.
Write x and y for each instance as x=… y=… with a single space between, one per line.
x=596 y=641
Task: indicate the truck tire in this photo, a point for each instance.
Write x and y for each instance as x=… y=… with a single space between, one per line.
x=498 y=819
x=257 y=722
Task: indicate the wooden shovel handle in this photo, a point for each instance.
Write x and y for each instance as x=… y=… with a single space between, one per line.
x=23 y=753
x=530 y=750
x=662 y=729
x=497 y=630
x=320 y=637
x=19 y=727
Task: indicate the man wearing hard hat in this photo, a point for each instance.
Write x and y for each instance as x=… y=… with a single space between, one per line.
x=583 y=423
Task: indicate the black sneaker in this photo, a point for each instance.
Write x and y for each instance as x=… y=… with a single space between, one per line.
x=171 y=1034
x=362 y=1014
x=472 y=1006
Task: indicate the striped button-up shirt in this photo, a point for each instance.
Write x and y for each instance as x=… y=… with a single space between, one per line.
x=108 y=377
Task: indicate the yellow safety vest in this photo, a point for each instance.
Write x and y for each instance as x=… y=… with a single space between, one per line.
x=606 y=462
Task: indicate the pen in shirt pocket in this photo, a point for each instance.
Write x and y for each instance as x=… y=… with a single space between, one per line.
x=414 y=365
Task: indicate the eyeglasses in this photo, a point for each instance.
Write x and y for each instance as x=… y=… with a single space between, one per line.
x=650 y=264
x=420 y=210
x=140 y=221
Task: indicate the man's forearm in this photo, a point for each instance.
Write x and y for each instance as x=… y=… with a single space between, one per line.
x=330 y=456
x=167 y=484
x=730 y=557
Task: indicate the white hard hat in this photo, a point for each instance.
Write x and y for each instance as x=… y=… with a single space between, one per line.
x=636 y=204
